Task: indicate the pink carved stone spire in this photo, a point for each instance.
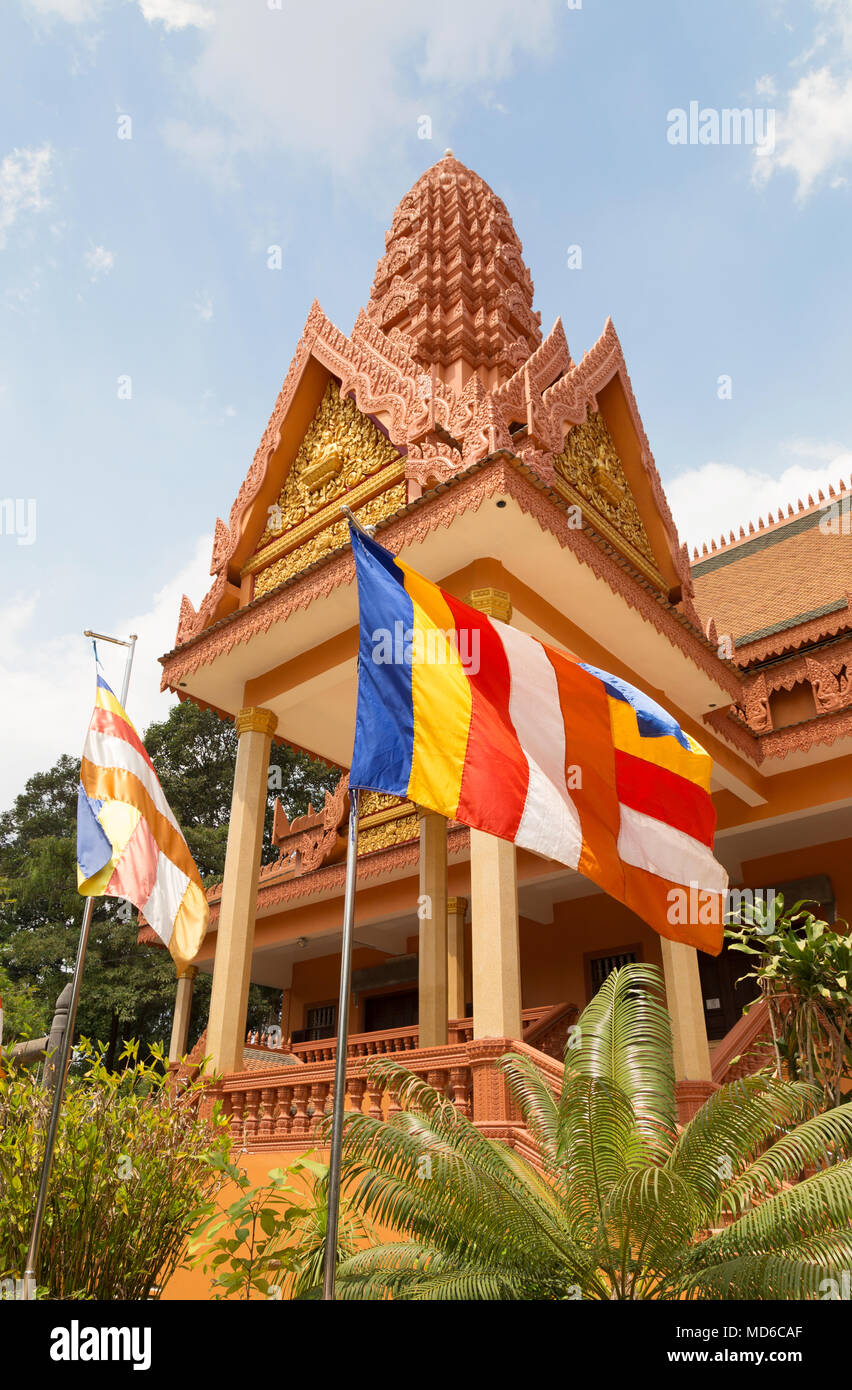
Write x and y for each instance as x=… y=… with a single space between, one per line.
x=452 y=286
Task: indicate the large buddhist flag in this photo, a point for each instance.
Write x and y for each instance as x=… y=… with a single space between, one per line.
x=487 y=725
x=129 y=844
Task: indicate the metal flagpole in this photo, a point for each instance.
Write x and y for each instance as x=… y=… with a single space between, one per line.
x=333 y=1215
x=29 y=1289
x=334 y=1162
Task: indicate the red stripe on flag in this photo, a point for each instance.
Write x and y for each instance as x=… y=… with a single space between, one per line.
x=105 y=722
x=496 y=772
x=663 y=794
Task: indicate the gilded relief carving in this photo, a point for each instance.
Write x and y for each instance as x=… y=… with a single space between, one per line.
x=340 y=449
x=329 y=538
x=389 y=832
x=590 y=463
x=371 y=802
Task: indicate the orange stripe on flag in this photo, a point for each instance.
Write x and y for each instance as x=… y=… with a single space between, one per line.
x=114 y=784
x=590 y=770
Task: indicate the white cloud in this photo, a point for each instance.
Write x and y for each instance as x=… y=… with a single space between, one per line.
x=204 y=307
x=48 y=684
x=99 y=261
x=814 y=120
x=344 y=83
x=177 y=14
x=23 y=176
x=718 y=498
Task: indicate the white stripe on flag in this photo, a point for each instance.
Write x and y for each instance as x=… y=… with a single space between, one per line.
x=550 y=823
x=648 y=843
x=165 y=899
x=107 y=750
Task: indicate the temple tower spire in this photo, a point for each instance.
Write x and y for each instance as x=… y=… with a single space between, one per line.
x=452 y=287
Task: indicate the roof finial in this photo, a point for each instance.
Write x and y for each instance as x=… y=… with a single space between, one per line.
x=448 y=154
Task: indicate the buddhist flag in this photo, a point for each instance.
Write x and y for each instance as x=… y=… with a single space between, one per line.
x=129 y=844
x=487 y=725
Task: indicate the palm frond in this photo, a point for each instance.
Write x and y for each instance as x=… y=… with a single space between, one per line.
x=536 y=1102
x=624 y=1037
x=732 y=1127
x=826 y=1135
x=811 y=1208
x=767 y=1276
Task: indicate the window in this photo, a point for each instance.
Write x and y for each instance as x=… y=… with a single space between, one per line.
x=320 y=1022
x=600 y=964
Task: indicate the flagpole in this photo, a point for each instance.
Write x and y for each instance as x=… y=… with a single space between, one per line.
x=329 y=1270
x=334 y=1162
x=29 y=1281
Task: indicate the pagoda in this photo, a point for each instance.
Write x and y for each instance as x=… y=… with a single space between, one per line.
x=523 y=482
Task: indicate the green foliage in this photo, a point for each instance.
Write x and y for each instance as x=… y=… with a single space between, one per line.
x=134 y=1168
x=627 y=1206
x=24 y=1014
x=128 y=989
x=803 y=967
x=270 y=1241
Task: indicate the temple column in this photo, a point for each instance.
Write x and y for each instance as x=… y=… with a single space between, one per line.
x=495 y=948
x=432 y=912
x=183 y=1005
x=693 y=1073
x=235 y=935
x=456 y=909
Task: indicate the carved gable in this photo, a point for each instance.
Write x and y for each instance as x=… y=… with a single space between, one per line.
x=589 y=473
x=343 y=458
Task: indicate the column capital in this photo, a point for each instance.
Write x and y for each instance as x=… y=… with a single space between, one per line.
x=256 y=720
x=423 y=812
x=494 y=603
x=457 y=906
x=187 y=972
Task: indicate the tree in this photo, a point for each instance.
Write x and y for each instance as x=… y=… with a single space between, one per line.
x=626 y=1207
x=128 y=989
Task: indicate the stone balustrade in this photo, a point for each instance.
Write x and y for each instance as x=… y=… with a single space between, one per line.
x=391 y=1039
x=284 y=1108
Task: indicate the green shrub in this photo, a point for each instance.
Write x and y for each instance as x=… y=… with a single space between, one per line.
x=269 y=1242
x=134 y=1169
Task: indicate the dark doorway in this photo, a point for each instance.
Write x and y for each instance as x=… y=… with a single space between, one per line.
x=383 y=1011
x=724 y=999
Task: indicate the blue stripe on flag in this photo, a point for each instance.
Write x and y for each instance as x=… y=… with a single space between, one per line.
x=652 y=719
x=384 y=722
x=94 y=848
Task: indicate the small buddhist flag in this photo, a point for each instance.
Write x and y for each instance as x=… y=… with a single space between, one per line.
x=129 y=844
x=489 y=726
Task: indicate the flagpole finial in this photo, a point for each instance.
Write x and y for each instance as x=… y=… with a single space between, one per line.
x=353 y=521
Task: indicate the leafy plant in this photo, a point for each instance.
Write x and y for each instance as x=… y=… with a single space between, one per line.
x=134 y=1166
x=622 y=1204
x=270 y=1241
x=803 y=967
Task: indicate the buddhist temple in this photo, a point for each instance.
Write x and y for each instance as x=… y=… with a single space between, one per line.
x=521 y=479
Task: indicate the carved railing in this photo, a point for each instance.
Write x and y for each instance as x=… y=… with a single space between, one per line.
x=550 y=1032
x=745 y=1048
x=393 y=1040
x=284 y=1108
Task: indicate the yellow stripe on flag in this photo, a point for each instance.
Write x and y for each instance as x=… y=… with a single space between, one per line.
x=441 y=699
x=695 y=766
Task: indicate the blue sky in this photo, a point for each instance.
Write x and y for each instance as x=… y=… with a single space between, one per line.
x=254 y=125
